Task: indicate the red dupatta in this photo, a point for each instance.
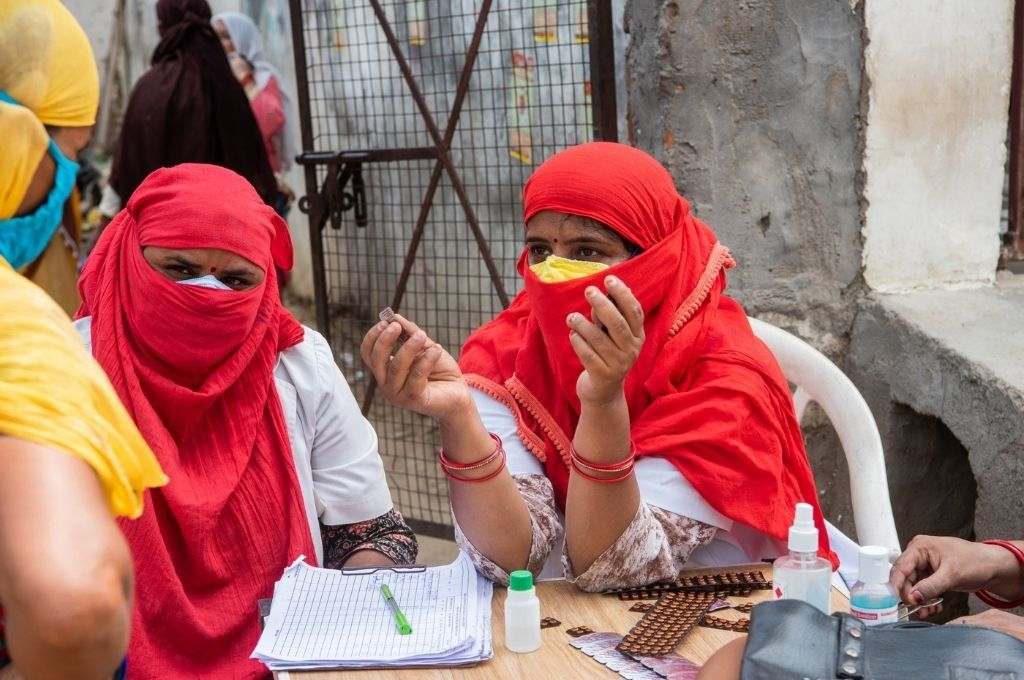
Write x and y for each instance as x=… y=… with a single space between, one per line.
x=705 y=393
x=194 y=366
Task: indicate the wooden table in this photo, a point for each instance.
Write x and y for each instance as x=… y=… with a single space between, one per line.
x=556 y=659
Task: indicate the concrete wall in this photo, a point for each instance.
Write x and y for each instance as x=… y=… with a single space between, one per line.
x=935 y=151
x=754 y=107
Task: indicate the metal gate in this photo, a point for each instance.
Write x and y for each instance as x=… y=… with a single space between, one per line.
x=421 y=120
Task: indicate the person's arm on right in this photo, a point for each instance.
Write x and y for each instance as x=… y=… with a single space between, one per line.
x=424 y=378
x=933 y=565
x=65 y=570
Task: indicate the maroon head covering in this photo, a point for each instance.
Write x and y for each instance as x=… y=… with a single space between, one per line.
x=189 y=108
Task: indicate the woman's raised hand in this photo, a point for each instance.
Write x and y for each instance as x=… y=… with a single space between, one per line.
x=421 y=376
x=607 y=355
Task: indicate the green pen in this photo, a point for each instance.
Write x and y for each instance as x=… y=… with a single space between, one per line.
x=401 y=622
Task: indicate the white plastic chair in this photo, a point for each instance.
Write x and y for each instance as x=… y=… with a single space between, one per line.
x=819 y=380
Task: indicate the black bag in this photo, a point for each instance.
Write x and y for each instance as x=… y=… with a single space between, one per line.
x=791 y=640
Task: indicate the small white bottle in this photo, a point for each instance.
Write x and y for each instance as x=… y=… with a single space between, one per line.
x=522 y=613
x=802 y=575
x=873 y=600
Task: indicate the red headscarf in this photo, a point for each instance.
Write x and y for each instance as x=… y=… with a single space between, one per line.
x=705 y=393
x=194 y=366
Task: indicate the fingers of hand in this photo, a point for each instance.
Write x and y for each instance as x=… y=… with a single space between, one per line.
x=410 y=328
x=590 y=359
x=605 y=311
x=934 y=585
x=915 y=561
x=380 y=351
x=599 y=343
x=627 y=304
x=422 y=366
x=369 y=340
x=398 y=367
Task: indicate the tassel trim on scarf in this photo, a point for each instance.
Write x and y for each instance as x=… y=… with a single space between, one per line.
x=531 y=440
x=544 y=419
x=719 y=259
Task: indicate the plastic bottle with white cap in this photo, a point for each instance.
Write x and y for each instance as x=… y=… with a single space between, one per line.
x=802 y=575
x=873 y=600
x=522 y=613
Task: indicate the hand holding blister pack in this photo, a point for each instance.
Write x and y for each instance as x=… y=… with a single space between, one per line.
x=411 y=370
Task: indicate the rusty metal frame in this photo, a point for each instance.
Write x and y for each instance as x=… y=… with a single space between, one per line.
x=602 y=70
x=347 y=164
x=1015 y=235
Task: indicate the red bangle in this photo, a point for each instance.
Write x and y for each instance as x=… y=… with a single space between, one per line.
x=990 y=599
x=475 y=480
x=624 y=464
x=602 y=480
x=449 y=464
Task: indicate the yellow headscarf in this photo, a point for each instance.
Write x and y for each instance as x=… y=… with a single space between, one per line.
x=24 y=143
x=47 y=66
x=53 y=393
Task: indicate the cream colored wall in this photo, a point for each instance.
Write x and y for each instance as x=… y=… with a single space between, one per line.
x=939 y=80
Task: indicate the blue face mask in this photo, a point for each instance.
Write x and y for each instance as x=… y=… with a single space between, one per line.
x=24 y=238
x=208 y=281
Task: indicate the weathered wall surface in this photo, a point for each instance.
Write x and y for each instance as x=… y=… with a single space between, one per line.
x=935 y=148
x=754 y=107
x=954 y=356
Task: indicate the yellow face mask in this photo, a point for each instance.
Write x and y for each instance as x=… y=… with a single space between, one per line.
x=556 y=269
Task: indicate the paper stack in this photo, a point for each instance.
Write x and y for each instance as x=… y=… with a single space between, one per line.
x=323 y=618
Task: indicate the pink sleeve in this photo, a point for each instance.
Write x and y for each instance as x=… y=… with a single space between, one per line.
x=268 y=108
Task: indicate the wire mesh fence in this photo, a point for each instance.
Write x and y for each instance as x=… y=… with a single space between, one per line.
x=527 y=96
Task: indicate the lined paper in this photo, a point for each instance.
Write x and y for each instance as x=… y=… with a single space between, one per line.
x=326 y=618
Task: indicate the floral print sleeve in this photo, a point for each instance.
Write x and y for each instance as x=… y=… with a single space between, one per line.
x=387 y=534
x=653 y=547
x=547 y=529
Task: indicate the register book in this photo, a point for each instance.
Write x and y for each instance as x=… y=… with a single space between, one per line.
x=324 y=618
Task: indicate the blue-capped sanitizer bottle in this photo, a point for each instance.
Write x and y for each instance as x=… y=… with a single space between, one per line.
x=873 y=600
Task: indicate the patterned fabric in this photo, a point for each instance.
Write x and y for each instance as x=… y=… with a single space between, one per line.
x=387 y=534
x=653 y=547
x=546 y=529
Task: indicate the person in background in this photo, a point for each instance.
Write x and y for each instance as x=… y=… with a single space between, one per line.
x=621 y=387
x=262 y=82
x=187 y=108
x=49 y=93
x=268 y=453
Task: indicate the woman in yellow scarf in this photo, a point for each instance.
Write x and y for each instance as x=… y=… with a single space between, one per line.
x=70 y=456
x=49 y=92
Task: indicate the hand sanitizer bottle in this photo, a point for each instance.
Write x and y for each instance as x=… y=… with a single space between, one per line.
x=873 y=600
x=802 y=575
x=522 y=613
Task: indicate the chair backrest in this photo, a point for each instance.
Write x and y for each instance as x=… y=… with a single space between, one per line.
x=819 y=380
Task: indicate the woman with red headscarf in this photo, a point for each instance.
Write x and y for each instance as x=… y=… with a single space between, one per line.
x=267 y=453
x=621 y=402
